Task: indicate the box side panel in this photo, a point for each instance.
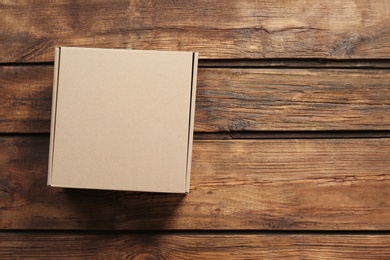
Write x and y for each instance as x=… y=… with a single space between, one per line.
x=191 y=123
x=53 y=112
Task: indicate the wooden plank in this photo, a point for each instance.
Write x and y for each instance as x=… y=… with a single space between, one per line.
x=218 y=30
x=233 y=99
x=291 y=135
x=329 y=184
x=211 y=246
x=292 y=99
x=25 y=98
x=296 y=63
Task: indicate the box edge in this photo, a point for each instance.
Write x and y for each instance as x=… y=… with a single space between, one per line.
x=191 y=120
x=57 y=57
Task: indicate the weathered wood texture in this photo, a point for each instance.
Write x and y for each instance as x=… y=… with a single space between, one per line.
x=217 y=29
x=233 y=99
x=304 y=99
x=25 y=99
x=276 y=184
x=296 y=63
x=332 y=184
x=199 y=246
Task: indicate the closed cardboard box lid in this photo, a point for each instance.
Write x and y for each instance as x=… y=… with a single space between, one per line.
x=122 y=119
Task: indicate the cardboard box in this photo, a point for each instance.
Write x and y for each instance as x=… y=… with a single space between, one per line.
x=122 y=119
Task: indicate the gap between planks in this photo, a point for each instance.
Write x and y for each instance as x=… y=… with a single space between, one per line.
x=288 y=63
x=193 y=232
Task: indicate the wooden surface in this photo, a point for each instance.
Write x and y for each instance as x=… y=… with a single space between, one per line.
x=292 y=142
x=221 y=29
x=233 y=99
x=194 y=246
x=239 y=184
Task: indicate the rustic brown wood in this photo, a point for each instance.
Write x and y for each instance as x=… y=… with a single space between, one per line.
x=25 y=98
x=234 y=29
x=330 y=184
x=248 y=87
x=293 y=100
x=233 y=99
x=291 y=135
x=200 y=246
x=296 y=63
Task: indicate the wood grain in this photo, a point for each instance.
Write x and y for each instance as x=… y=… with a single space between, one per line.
x=233 y=99
x=296 y=63
x=330 y=184
x=218 y=30
x=293 y=100
x=25 y=98
x=207 y=246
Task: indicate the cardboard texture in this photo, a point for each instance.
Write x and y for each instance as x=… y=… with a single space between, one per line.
x=122 y=119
